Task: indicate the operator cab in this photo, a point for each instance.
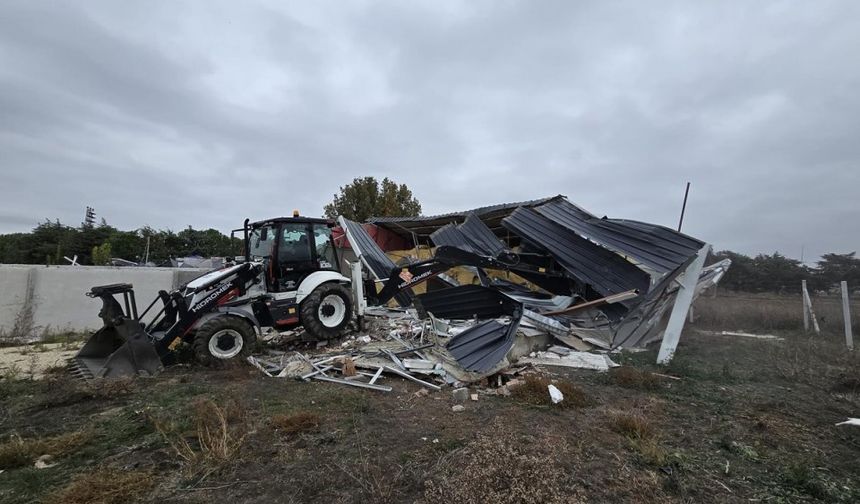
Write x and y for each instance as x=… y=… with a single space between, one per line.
x=292 y=248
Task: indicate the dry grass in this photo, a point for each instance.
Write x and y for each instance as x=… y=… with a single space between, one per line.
x=630 y=377
x=533 y=390
x=816 y=360
x=642 y=436
x=218 y=435
x=18 y=452
x=502 y=468
x=104 y=486
x=633 y=425
x=770 y=312
x=303 y=421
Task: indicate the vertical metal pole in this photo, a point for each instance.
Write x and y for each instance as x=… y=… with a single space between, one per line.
x=846 y=315
x=805 y=308
x=684 y=206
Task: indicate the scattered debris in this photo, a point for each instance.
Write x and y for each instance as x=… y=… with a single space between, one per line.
x=461 y=394
x=750 y=335
x=45 y=462
x=458 y=408
x=584 y=360
x=555 y=394
x=851 y=421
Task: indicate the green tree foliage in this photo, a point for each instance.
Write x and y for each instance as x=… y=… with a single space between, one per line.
x=833 y=268
x=777 y=273
x=50 y=241
x=101 y=254
x=366 y=197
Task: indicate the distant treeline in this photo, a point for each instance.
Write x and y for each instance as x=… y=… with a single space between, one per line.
x=97 y=244
x=50 y=241
x=777 y=273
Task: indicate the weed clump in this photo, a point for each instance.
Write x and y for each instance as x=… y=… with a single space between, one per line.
x=633 y=425
x=304 y=421
x=534 y=390
x=503 y=468
x=104 y=486
x=18 y=452
x=643 y=438
x=630 y=377
x=218 y=435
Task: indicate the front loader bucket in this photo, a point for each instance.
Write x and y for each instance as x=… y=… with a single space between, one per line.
x=122 y=349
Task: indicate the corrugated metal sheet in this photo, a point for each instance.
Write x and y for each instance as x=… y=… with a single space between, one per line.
x=481 y=347
x=605 y=271
x=656 y=247
x=481 y=237
x=465 y=302
x=451 y=236
x=422 y=226
x=372 y=256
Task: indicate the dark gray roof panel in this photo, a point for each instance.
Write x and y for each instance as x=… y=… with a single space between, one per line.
x=452 y=236
x=379 y=264
x=481 y=237
x=465 y=302
x=606 y=272
x=657 y=247
x=477 y=211
x=373 y=256
x=481 y=347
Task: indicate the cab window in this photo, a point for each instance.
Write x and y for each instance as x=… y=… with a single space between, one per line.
x=260 y=242
x=294 y=246
x=322 y=242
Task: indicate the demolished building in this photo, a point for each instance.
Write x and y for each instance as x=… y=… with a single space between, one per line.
x=545 y=266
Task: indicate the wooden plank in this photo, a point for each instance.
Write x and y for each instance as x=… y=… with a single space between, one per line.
x=615 y=298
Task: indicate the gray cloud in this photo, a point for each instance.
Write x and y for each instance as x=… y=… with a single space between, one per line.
x=201 y=114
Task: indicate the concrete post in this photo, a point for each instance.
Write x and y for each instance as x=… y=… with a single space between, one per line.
x=846 y=316
x=805 y=308
x=688 y=280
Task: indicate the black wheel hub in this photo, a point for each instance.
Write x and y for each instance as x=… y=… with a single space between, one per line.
x=327 y=310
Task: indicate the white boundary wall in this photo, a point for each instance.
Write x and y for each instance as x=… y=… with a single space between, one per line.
x=58 y=295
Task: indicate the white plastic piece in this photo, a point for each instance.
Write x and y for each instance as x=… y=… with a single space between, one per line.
x=555 y=394
x=851 y=421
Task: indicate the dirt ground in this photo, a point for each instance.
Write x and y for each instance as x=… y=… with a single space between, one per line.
x=732 y=419
x=32 y=361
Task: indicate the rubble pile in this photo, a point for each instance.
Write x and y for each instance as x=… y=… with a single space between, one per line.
x=551 y=285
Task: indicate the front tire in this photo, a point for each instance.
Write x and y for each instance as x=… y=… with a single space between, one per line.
x=223 y=339
x=326 y=312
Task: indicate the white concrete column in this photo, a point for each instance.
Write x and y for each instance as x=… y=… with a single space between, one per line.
x=683 y=299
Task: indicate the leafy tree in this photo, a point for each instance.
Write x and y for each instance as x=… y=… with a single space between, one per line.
x=101 y=254
x=366 y=197
x=833 y=268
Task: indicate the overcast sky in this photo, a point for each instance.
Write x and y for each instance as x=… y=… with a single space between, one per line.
x=171 y=114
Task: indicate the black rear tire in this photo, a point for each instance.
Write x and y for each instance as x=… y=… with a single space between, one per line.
x=223 y=339
x=326 y=312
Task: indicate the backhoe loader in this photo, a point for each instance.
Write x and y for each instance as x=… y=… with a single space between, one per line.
x=288 y=277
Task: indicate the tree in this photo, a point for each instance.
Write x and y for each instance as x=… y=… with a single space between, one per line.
x=833 y=268
x=101 y=254
x=366 y=197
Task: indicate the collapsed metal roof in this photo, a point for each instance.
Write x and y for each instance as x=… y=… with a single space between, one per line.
x=588 y=262
x=605 y=271
x=657 y=247
x=422 y=226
